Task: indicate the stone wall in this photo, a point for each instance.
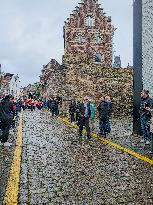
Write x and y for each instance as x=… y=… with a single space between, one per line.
x=52 y=79
x=79 y=76
x=85 y=78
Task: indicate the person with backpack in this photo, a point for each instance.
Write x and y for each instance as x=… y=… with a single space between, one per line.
x=104 y=114
x=6 y=117
x=84 y=116
x=109 y=109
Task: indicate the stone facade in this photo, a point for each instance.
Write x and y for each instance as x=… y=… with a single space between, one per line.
x=83 y=77
x=89 y=31
x=26 y=90
x=52 y=79
x=79 y=74
x=147 y=45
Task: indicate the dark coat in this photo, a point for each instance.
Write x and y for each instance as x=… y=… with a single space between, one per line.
x=6 y=110
x=104 y=109
x=72 y=107
x=146 y=102
x=82 y=110
x=53 y=105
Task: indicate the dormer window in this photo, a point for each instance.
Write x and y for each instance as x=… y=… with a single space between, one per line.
x=90 y=21
x=80 y=38
x=99 y=39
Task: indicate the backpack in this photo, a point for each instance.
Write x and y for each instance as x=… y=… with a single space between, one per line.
x=4 y=116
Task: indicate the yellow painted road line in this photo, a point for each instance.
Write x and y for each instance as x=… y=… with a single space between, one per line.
x=139 y=156
x=12 y=190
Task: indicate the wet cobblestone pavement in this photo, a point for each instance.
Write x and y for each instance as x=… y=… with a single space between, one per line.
x=6 y=155
x=122 y=135
x=58 y=169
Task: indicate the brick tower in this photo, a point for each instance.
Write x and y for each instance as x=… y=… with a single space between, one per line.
x=90 y=32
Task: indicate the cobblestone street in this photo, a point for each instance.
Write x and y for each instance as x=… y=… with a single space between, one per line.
x=6 y=154
x=57 y=168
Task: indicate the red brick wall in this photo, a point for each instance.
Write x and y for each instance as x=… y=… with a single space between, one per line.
x=102 y=26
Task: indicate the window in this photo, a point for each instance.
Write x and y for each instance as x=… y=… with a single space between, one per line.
x=80 y=38
x=99 y=58
x=90 y=21
x=99 y=39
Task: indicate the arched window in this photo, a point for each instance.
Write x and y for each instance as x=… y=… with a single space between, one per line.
x=99 y=58
x=90 y=21
x=80 y=38
x=99 y=39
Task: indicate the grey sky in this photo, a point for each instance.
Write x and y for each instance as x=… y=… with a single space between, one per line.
x=31 y=33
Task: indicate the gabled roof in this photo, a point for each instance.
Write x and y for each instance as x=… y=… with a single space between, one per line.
x=87 y=7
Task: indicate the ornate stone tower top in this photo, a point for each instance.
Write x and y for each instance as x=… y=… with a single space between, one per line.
x=89 y=31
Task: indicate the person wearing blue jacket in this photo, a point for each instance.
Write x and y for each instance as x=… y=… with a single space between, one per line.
x=92 y=116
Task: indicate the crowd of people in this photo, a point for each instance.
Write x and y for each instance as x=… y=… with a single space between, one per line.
x=9 y=113
x=11 y=107
x=83 y=113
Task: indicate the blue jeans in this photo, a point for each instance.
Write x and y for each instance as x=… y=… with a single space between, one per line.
x=104 y=125
x=145 y=126
x=108 y=127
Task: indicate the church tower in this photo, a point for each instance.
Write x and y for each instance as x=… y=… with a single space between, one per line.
x=90 y=31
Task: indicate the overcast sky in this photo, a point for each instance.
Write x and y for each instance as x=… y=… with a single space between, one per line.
x=31 y=33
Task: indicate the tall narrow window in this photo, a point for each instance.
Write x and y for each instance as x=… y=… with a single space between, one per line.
x=99 y=39
x=99 y=58
x=90 y=21
x=80 y=38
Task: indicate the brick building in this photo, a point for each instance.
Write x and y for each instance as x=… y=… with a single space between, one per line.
x=89 y=31
x=87 y=62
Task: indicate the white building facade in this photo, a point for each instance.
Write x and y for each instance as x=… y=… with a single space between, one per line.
x=147 y=45
x=15 y=86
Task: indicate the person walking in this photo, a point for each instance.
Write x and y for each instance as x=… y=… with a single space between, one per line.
x=72 y=109
x=145 y=116
x=92 y=117
x=103 y=110
x=6 y=117
x=109 y=107
x=53 y=106
x=39 y=104
x=77 y=111
x=57 y=106
x=84 y=115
